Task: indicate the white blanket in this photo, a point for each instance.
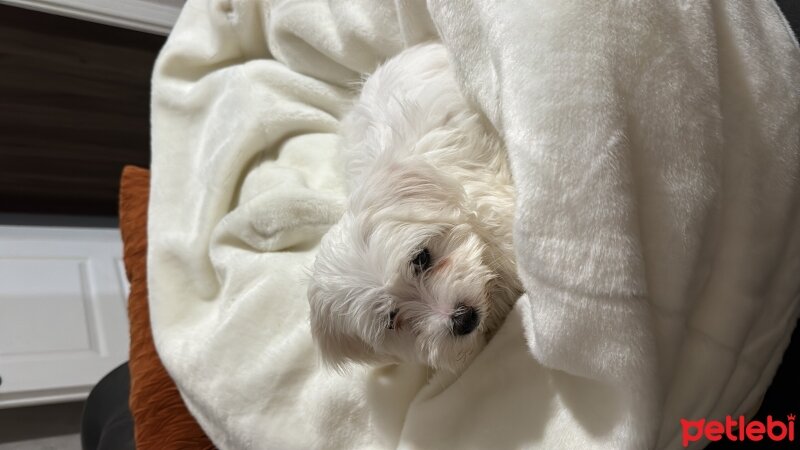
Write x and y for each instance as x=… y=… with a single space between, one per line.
x=655 y=150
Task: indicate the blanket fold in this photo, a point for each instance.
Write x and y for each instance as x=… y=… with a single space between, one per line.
x=655 y=149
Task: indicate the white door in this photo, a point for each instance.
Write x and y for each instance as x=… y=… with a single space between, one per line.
x=63 y=321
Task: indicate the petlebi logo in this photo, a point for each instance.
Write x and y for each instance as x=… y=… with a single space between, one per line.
x=738 y=430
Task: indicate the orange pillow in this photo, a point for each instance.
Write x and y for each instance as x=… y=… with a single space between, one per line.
x=160 y=418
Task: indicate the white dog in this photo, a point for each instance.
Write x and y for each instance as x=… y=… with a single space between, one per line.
x=421 y=266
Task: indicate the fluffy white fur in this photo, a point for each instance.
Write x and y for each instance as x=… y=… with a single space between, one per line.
x=646 y=299
x=424 y=173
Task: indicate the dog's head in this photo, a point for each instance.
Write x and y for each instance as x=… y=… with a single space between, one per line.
x=407 y=274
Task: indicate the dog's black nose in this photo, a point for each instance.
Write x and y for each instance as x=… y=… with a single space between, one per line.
x=465 y=319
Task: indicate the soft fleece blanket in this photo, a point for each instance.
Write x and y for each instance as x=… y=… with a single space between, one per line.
x=654 y=146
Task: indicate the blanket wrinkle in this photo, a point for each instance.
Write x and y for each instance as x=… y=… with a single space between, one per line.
x=655 y=149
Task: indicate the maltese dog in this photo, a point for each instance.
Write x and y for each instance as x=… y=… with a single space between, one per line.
x=421 y=266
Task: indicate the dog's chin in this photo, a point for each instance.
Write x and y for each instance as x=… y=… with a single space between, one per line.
x=452 y=353
x=451 y=356
x=439 y=351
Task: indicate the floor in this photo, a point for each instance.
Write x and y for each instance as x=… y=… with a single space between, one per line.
x=49 y=427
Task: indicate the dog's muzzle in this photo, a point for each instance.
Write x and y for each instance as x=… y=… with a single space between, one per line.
x=465 y=319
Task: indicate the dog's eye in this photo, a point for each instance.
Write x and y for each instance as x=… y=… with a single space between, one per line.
x=392 y=319
x=422 y=261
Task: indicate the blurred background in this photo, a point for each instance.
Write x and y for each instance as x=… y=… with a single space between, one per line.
x=74 y=109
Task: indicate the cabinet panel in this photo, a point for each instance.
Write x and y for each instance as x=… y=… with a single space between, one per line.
x=63 y=323
x=45 y=306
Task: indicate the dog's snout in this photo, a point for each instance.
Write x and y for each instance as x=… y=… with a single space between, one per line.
x=465 y=319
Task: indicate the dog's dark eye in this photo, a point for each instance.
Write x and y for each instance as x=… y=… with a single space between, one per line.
x=392 y=319
x=422 y=261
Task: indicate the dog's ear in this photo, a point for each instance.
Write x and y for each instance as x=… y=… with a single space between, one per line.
x=330 y=318
x=338 y=350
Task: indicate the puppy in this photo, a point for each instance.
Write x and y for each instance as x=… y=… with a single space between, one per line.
x=421 y=266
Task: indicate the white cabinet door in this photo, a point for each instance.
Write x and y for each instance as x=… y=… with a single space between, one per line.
x=63 y=322
x=150 y=16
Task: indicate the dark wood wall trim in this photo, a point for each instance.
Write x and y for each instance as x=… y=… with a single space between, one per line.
x=74 y=109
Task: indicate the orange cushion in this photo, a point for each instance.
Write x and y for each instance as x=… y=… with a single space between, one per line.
x=161 y=420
